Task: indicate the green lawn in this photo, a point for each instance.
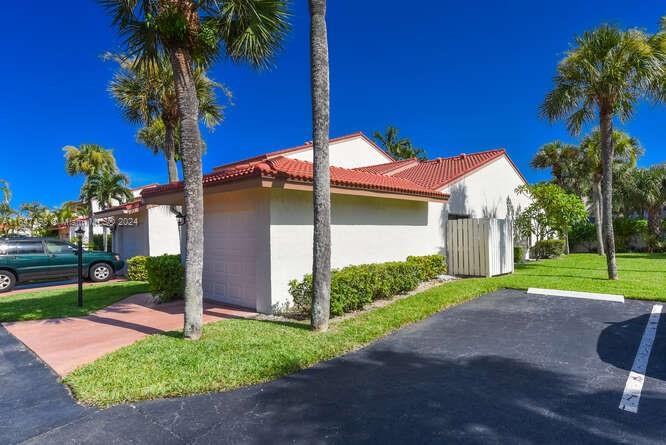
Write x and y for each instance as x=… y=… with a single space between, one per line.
x=236 y=353
x=57 y=303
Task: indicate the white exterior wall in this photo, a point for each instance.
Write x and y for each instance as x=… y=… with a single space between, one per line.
x=132 y=240
x=163 y=232
x=349 y=153
x=363 y=230
x=484 y=193
x=236 y=257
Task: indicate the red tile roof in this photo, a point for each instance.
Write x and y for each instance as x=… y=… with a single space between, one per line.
x=440 y=172
x=307 y=145
x=389 y=167
x=297 y=170
x=136 y=203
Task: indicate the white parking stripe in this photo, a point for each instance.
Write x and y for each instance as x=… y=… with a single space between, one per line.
x=632 y=390
x=574 y=294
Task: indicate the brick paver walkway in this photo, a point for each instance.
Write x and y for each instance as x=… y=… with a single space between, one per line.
x=67 y=343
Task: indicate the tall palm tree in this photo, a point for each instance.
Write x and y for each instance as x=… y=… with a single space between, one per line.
x=109 y=188
x=320 y=90
x=602 y=78
x=649 y=196
x=146 y=95
x=88 y=160
x=399 y=148
x=5 y=192
x=626 y=150
x=193 y=33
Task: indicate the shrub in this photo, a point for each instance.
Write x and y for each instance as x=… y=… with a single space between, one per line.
x=166 y=277
x=353 y=287
x=582 y=232
x=136 y=268
x=98 y=241
x=628 y=229
x=549 y=248
x=518 y=254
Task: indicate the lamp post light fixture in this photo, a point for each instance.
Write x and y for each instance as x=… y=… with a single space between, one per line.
x=79 y=252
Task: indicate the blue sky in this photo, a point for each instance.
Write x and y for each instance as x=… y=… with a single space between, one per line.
x=453 y=76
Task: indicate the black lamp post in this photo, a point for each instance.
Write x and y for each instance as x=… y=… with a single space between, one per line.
x=79 y=252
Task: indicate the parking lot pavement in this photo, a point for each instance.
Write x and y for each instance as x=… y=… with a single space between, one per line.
x=32 y=401
x=507 y=367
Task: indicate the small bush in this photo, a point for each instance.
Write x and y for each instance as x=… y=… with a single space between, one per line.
x=518 y=254
x=166 y=277
x=136 y=268
x=549 y=248
x=582 y=232
x=628 y=230
x=353 y=287
x=98 y=241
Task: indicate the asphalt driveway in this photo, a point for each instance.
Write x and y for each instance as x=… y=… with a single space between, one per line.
x=505 y=368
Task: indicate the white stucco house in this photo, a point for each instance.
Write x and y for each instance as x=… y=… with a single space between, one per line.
x=141 y=229
x=258 y=212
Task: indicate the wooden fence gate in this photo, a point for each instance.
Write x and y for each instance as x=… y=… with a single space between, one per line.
x=480 y=247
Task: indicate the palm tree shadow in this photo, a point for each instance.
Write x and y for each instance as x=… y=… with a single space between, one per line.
x=613 y=340
x=382 y=395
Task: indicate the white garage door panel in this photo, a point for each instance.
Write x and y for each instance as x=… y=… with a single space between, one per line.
x=230 y=255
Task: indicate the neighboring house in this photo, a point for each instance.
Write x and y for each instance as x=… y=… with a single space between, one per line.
x=141 y=229
x=258 y=213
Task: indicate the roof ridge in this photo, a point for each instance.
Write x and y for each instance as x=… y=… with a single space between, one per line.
x=476 y=153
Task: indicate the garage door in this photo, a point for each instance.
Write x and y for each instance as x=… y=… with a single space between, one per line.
x=230 y=256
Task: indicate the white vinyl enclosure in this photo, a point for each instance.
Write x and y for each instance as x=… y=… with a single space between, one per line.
x=480 y=247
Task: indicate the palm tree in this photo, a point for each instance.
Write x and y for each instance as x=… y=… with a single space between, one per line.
x=88 y=160
x=320 y=90
x=193 y=33
x=565 y=162
x=6 y=211
x=399 y=148
x=109 y=188
x=626 y=151
x=649 y=196
x=602 y=78
x=36 y=217
x=5 y=192
x=146 y=95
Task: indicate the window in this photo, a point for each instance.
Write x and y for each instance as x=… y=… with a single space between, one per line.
x=7 y=248
x=29 y=247
x=56 y=247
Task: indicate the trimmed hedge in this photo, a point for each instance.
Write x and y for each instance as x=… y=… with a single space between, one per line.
x=353 y=287
x=549 y=248
x=518 y=254
x=136 y=268
x=166 y=277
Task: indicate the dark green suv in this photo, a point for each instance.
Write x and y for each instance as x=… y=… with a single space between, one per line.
x=25 y=259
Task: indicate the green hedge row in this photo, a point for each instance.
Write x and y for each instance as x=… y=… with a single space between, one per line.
x=165 y=275
x=549 y=248
x=353 y=287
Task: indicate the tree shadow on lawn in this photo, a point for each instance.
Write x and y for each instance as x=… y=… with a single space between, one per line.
x=387 y=394
x=579 y=277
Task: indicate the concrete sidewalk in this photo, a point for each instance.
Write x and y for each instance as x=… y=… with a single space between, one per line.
x=67 y=343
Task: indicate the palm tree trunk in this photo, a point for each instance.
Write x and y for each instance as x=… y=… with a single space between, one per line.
x=106 y=239
x=320 y=86
x=90 y=223
x=170 y=150
x=598 y=216
x=606 y=130
x=190 y=153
